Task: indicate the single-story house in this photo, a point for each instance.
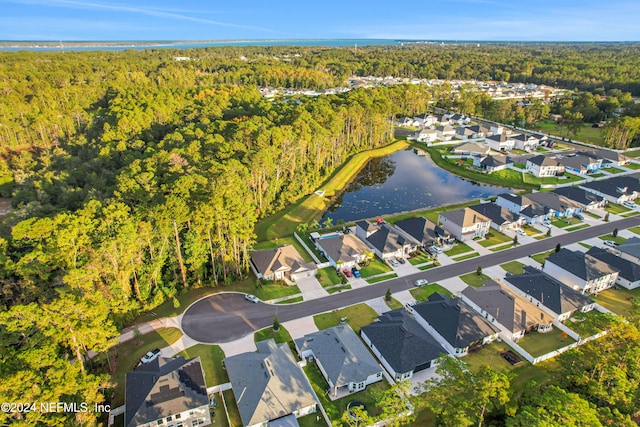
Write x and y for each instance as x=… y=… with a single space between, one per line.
x=342 y=250
x=279 y=263
x=618 y=189
x=501 y=218
x=580 y=164
x=464 y=224
x=537 y=207
x=454 y=323
x=526 y=142
x=541 y=166
x=585 y=199
x=511 y=312
x=582 y=272
x=492 y=163
x=386 y=240
x=341 y=357
x=471 y=149
x=424 y=231
x=630 y=249
x=268 y=384
x=543 y=290
x=628 y=271
x=167 y=391
x=609 y=158
x=401 y=344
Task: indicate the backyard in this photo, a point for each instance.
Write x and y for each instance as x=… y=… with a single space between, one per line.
x=589 y=323
x=538 y=343
x=619 y=301
x=358 y=315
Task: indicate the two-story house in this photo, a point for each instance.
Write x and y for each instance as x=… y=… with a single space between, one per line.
x=581 y=271
x=543 y=166
x=464 y=224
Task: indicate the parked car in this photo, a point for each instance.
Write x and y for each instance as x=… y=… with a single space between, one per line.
x=630 y=205
x=355 y=272
x=252 y=298
x=520 y=232
x=150 y=356
x=578 y=216
x=402 y=260
x=435 y=249
x=392 y=262
x=347 y=272
x=546 y=224
x=422 y=282
x=611 y=243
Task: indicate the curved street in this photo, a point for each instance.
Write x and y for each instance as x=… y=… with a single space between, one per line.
x=226 y=317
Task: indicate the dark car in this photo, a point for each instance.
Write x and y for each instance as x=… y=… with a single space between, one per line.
x=401 y=260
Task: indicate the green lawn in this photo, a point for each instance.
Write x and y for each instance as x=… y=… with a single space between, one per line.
x=628 y=214
x=129 y=352
x=513 y=267
x=493 y=238
x=314 y=419
x=565 y=222
x=328 y=277
x=584 y=245
x=615 y=208
x=634 y=166
x=291 y=300
x=537 y=343
x=635 y=230
x=306 y=238
x=211 y=357
x=220 y=412
x=529 y=230
x=376 y=266
x=613 y=170
x=394 y=304
x=358 y=315
x=429 y=266
x=586 y=133
x=382 y=278
x=282 y=336
x=270 y=244
x=618 y=239
x=541 y=257
x=232 y=408
x=577 y=227
x=339 y=289
x=423 y=292
x=472 y=279
x=596 y=175
x=501 y=247
x=592 y=215
x=467 y=256
x=589 y=323
x=632 y=153
x=459 y=248
x=420 y=258
x=619 y=301
x=275 y=290
x=431 y=214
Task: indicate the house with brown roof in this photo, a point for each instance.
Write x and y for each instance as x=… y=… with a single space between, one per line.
x=385 y=240
x=464 y=224
x=279 y=263
x=342 y=250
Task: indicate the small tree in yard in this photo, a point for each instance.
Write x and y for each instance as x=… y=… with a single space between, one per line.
x=558 y=247
x=387 y=296
x=479 y=271
x=614 y=233
x=606 y=217
x=515 y=240
x=549 y=232
x=276 y=323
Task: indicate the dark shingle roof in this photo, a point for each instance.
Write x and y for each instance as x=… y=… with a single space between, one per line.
x=627 y=269
x=454 y=320
x=403 y=343
x=580 y=265
x=578 y=195
x=494 y=161
x=631 y=247
x=497 y=214
x=386 y=238
x=423 y=230
x=542 y=160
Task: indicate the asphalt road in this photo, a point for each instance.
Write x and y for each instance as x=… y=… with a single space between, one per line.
x=226 y=317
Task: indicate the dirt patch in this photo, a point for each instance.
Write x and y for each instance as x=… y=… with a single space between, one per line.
x=5 y=205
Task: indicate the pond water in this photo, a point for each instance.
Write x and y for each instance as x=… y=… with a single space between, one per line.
x=403 y=181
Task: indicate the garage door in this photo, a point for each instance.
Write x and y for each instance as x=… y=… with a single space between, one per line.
x=422 y=367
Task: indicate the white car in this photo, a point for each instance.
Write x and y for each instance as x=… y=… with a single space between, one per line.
x=546 y=224
x=630 y=205
x=393 y=262
x=435 y=249
x=611 y=243
x=251 y=298
x=150 y=356
x=520 y=232
x=422 y=282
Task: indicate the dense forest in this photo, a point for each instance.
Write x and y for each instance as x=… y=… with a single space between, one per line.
x=134 y=177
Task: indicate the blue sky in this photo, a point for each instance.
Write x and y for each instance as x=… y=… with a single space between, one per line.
x=558 y=20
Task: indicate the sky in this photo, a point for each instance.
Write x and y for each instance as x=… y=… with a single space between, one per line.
x=517 y=20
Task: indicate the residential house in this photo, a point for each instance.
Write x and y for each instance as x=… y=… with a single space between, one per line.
x=542 y=166
x=628 y=271
x=405 y=122
x=424 y=231
x=501 y=218
x=445 y=133
x=167 y=392
x=280 y=263
x=538 y=207
x=268 y=384
x=454 y=323
x=459 y=119
x=341 y=250
x=426 y=135
x=386 y=240
x=546 y=292
x=582 y=272
x=631 y=249
x=401 y=344
x=471 y=149
x=496 y=129
x=560 y=206
x=480 y=131
x=500 y=142
x=580 y=164
x=425 y=120
x=618 y=189
x=441 y=120
x=464 y=132
x=526 y=142
x=345 y=363
x=508 y=310
x=464 y=224
x=585 y=199
x=609 y=158
x=493 y=163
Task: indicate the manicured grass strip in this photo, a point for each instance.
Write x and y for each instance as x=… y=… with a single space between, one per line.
x=358 y=315
x=430 y=214
x=467 y=256
x=394 y=304
x=513 y=267
x=635 y=230
x=280 y=336
x=420 y=258
x=459 y=248
x=428 y=266
x=592 y=215
x=311 y=207
x=541 y=257
x=618 y=239
x=634 y=166
x=577 y=227
x=232 y=408
x=538 y=343
x=613 y=170
x=275 y=290
x=475 y=280
x=585 y=245
x=328 y=277
x=501 y=247
x=375 y=267
x=129 y=352
x=596 y=175
x=423 y=292
x=291 y=300
x=211 y=357
x=615 y=208
x=626 y=215
x=541 y=237
x=493 y=238
x=565 y=222
x=338 y=289
x=382 y=278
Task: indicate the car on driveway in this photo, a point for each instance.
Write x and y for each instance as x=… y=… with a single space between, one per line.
x=610 y=243
x=252 y=298
x=150 y=356
x=520 y=232
x=546 y=224
x=578 y=216
x=435 y=250
x=422 y=282
x=401 y=260
x=392 y=262
x=347 y=272
x=630 y=205
x=355 y=272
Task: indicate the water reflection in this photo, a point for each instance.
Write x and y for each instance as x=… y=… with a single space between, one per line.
x=403 y=181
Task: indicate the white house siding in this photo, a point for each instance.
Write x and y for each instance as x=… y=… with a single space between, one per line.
x=570 y=279
x=508 y=205
x=619 y=200
x=627 y=284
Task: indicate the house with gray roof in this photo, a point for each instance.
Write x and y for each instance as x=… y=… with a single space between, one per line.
x=454 y=323
x=471 y=149
x=464 y=224
x=342 y=250
x=631 y=249
x=268 y=385
x=546 y=292
x=401 y=344
x=628 y=271
x=582 y=272
x=493 y=163
x=537 y=207
x=501 y=218
x=385 y=240
x=165 y=392
x=580 y=164
x=279 y=263
x=345 y=363
x=618 y=189
x=609 y=158
x=584 y=198
x=541 y=166
x=424 y=231
x=503 y=307
x=500 y=142
x=526 y=142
